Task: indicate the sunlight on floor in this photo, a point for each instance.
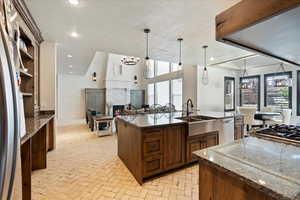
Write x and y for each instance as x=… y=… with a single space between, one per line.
x=86 y=167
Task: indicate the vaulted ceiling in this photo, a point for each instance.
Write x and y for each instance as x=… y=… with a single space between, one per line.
x=116 y=26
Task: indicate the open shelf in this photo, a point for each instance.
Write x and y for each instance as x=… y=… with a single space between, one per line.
x=25 y=74
x=25 y=54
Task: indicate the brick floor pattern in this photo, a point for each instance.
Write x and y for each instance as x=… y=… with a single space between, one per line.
x=86 y=167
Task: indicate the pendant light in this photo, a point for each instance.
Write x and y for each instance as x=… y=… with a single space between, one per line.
x=248 y=84
x=283 y=82
x=147 y=59
x=205 y=79
x=180 y=50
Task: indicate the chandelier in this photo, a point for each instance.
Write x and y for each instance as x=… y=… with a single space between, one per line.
x=129 y=60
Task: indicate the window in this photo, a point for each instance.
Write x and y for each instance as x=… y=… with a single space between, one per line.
x=229 y=94
x=162 y=68
x=151 y=69
x=250 y=91
x=278 y=92
x=298 y=93
x=176 y=86
x=151 y=94
x=175 y=67
x=163 y=92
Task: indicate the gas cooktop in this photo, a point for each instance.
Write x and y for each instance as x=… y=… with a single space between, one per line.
x=290 y=132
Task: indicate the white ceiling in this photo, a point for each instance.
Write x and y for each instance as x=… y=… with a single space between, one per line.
x=116 y=26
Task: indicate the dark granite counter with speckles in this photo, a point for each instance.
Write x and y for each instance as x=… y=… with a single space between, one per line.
x=34 y=124
x=161 y=119
x=269 y=166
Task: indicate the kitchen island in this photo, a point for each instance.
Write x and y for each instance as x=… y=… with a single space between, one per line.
x=150 y=144
x=250 y=168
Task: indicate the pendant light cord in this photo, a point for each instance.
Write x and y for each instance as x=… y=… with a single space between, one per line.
x=205 y=58
x=180 y=50
x=147 y=46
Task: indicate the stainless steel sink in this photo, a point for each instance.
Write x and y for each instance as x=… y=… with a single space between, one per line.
x=198 y=125
x=195 y=118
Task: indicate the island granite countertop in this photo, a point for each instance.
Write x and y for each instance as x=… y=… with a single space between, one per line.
x=270 y=167
x=161 y=119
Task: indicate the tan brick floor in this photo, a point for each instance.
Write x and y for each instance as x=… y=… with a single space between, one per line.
x=86 y=167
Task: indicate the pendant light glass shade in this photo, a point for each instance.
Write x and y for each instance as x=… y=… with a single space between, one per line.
x=205 y=79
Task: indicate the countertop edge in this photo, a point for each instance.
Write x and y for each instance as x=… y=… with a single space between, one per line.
x=27 y=136
x=257 y=186
x=173 y=123
x=151 y=126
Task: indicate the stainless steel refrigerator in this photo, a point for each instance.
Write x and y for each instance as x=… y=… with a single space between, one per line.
x=11 y=116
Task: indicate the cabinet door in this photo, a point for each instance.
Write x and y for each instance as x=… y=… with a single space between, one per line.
x=174 y=147
x=200 y=142
x=152 y=165
x=195 y=145
x=212 y=140
x=152 y=142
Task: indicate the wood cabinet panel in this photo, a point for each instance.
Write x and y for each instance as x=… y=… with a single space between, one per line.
x=152 y=165
x=174 y=146
x=153 y=142
x=215 y=184
x=200 y=142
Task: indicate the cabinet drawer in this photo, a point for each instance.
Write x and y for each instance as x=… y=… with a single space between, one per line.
x=152 y=143
x=152 y=165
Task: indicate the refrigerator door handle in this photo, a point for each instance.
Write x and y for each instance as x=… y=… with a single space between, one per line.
x=7 y=122
x=10 y=95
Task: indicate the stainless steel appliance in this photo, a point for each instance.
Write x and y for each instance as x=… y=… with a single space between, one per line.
x=282 y=132
x=10 y=121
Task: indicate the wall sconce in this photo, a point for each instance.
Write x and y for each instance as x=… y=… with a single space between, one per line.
x=135 y=79
x=94 y=76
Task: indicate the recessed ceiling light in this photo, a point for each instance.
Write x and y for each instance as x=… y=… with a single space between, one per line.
x=74 y=2
x=74 y=34
x=212 y=58
x=69 y=56
x=71 y=72
x=71 y=66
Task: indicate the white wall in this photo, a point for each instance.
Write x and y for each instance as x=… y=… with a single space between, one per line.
x=71 y=86
x=120 y=80
x=190 y=84
x=48 y=76
x=273 y=69
x=211 y=97
x=71 y=105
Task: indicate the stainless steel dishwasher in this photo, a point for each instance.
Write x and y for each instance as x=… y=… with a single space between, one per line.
x=226 y=130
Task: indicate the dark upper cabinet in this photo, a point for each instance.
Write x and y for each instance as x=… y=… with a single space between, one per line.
x=268 y=27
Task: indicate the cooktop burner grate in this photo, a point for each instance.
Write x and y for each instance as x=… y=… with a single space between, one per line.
x=284 y=131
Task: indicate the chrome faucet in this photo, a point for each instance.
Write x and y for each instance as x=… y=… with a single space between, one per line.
x=189 y=101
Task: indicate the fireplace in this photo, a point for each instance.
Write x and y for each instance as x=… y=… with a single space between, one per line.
x=118 y=109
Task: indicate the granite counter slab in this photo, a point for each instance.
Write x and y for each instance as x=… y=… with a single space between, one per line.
x=269 y=166
x=34 y=124
x=162 y=119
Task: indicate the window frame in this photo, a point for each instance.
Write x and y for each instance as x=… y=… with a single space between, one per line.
x=171 y=90
x=298 y=93
x=259 y=89
x=231 y=79
x=156 y=68
x=290 y=75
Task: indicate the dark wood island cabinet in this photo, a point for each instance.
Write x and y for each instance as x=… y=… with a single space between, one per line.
x=150 y=151
x=150 y=144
